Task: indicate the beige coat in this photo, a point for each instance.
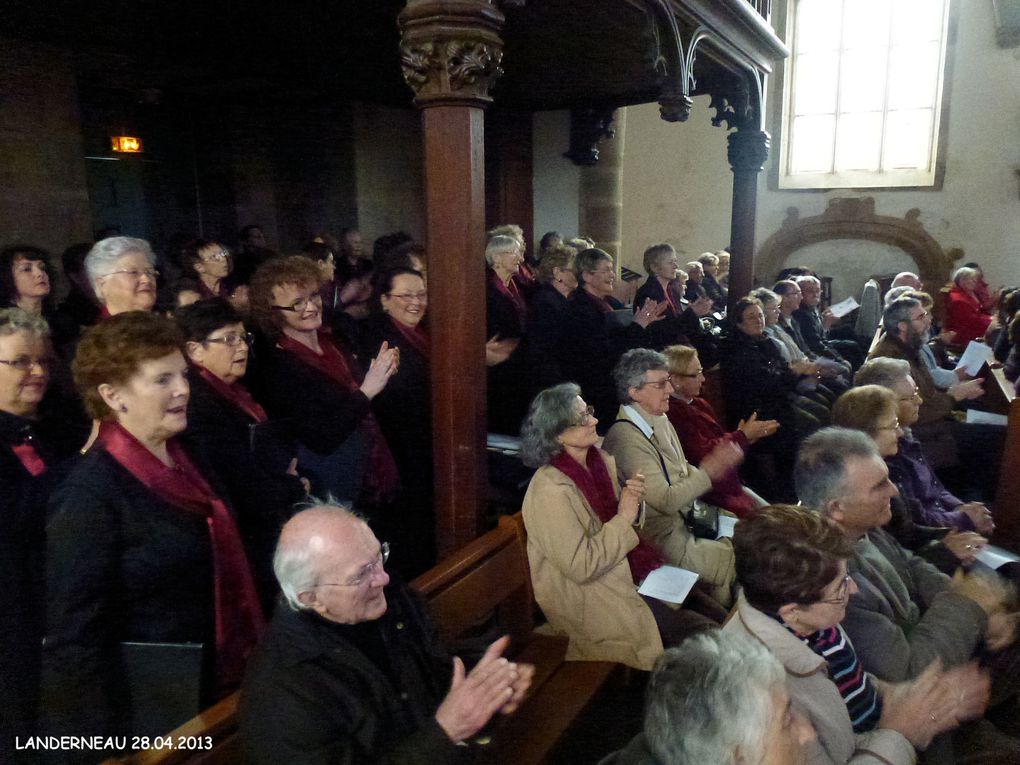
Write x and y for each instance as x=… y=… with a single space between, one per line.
x=813 y=693
x=580 y=574
x=668 y=502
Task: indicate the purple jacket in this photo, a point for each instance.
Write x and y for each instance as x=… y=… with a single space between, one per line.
x=929 y=501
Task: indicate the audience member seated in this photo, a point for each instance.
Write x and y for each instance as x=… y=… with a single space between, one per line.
x=695 y=276
x=307 y=376
x=583 y=547
x=595 y=340
x=835 y=373
x=643 y=442
x=228 y=430
x=794 y=591
x=32 y=442
x=548 y=314
x=981 y=289
x=208 y=263
x=699 y=430
x=122 y=272
x=964 y=313
x=905 y=324
x=1011 y=367
x=814 y=327
x=907 y=614
x=997 y=334
x=723 y=276
x=404 y=410
x=944 y=379
x=756 y=381
x=907 y=279
x=721 y=699
x=713 y=289
x=139 y=545
x=352 y=671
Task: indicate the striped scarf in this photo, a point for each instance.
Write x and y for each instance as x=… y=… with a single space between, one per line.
x=856 y=686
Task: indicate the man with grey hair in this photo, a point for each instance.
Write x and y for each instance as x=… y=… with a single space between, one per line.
x=814 y=326
x=643 y=441
x=352 y=670
x=718 y=698
x=906 y=614
x=907 y=279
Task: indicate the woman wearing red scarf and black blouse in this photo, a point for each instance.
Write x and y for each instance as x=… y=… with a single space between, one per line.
x=584 y=551
x=308 y=375
x=140 y=547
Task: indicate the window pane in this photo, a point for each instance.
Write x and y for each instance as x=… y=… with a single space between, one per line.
x=858 y=140
x=918 y=20
x=913 y=74
x=815 y=87
x=865 y=23
x=812 y=144
x=862 y=81
x=907 y=139
x=815 y=30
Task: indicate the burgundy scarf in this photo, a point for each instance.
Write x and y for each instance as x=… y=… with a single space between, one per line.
x=235 y=393
x=601 y=303
x=512 y=293
x=29 y=458
x=415 y=336
x=597 y=488
x=671 y=298
x=239 y=620
x=381 y=478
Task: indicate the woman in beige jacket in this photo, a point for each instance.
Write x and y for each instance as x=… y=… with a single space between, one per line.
x=584 y=552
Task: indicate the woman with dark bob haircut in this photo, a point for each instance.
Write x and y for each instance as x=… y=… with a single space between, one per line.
x=792 y=568
x=26 y=282
x=308 y=375
x=583 y=546
x=140 y=547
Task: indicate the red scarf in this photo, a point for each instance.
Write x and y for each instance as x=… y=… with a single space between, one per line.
x=601 y=303
x=235 y=393
x=239 y=620
x=29 y=458
x=104 y=313
x=381 y=479
x=597 y=488
x=513 y=294
x=673 y=300
x=415 y=336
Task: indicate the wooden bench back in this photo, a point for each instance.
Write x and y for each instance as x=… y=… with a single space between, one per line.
x=712 y=392
x=1002 y=392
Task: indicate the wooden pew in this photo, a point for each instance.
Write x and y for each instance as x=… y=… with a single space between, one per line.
x=484 y=587
x=1007 y=495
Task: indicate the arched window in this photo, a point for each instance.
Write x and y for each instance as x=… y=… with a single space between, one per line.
x=863 y=93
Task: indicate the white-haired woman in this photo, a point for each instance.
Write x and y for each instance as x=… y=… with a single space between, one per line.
x=584 y=551
x=122 y=271
x=964 y=314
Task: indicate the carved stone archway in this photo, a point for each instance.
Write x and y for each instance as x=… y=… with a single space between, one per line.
x=855 y=218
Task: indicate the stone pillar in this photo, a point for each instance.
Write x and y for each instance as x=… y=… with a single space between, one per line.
x=747 y=152
x=450 y=55
x=600 y=197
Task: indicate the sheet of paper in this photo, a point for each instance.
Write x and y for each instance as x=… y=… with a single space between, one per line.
x=974 y=357
x=669 y=583
x=993 y=556
x=501 y=443
x=986 y=418
x=843 y=307
x=726 y=526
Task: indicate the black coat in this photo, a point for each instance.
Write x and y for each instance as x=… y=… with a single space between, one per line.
x=814 y=334
x=250 y=460
x=314 y=696
x=545 y=346
x=507 y=392
x=755 y=378
x=121 y=565
x=682 y=328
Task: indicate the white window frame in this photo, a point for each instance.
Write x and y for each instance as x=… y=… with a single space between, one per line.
x=860 y=179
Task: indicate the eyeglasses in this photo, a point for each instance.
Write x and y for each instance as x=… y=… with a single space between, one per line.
x=25 y=363
x=585 y=417
x=135 y=274
x=895 y=426
x=842 y=593
x=410 y=297
x=217 y=255
x=300 y=305
x=658 y=384
x=233 y=339
x=366 y=572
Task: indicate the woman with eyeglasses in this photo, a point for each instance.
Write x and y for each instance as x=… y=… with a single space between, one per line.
x=308 y=375
x=795 y=586
x=404 y=410
x=585 y=554
x=122 y=271
x=230 y=431
x=32 y=442
x=142 y=550
x=208 y=263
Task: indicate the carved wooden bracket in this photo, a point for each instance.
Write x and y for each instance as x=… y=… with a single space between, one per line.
x=673 y=59
x=588 y=128
x=451 y=51
x=855 y=218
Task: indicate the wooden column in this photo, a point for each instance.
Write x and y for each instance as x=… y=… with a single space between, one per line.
x=747 y=152
x=601 y=191
x=450 y=54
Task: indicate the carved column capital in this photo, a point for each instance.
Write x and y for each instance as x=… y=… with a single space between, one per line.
x=748 y=150
x=450 y=50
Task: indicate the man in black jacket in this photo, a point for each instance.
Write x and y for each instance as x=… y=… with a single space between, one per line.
x=353 y=671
